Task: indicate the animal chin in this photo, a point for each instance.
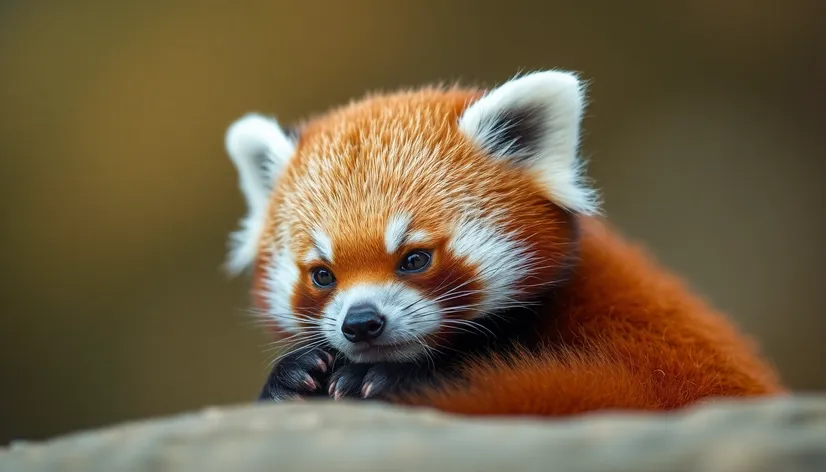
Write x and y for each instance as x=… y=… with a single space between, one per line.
x=396 y=352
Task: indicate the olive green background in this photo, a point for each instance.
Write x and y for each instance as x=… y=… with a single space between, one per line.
x=705 y=131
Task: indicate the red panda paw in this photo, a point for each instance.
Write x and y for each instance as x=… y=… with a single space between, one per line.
x=373 y=381
x=299 y=374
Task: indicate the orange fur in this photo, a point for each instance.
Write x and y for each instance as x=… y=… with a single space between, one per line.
x=399 y=147
x=624 y=335
x=630 y=337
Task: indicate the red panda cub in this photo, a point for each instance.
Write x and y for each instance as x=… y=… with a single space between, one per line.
x=441 y=247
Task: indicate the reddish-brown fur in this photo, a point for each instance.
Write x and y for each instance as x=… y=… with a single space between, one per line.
x=375 y=130
x=630 y=337
x=626 y=334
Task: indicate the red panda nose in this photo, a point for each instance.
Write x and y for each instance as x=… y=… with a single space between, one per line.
x=362 y=323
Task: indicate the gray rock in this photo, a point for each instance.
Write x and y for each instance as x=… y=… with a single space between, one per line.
x=787 y=434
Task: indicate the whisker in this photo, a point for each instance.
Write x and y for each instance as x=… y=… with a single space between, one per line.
x=311 y=345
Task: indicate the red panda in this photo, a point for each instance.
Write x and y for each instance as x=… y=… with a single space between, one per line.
x=442 y=247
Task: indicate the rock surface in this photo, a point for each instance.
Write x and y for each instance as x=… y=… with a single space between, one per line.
x=776 y=435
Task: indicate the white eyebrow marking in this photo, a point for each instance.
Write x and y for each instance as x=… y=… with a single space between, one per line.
x=323 y=245
x=418 y=236
x=311 y=256
x=396 y=229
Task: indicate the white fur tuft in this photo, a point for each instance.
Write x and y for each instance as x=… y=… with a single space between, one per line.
x=259 y=148
x=280 y=282
x=558 y=100
x=418 y=236
x=396 y=231
x=500 y=259
x=323 y=245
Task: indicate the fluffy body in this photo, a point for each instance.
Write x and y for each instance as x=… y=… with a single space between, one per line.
x=623 y=334
x=528 y=302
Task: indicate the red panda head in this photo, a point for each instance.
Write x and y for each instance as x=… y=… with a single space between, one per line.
x=389 y=223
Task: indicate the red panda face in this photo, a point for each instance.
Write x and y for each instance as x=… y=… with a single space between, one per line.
x=398 y=220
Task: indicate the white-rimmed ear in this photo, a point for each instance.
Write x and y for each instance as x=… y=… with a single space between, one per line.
x=533 y=121
x=260 y=149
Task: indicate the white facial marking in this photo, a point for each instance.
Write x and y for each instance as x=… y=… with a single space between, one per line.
x=418 y=237
x=311 y=256
x=395 y=301
x=281 y=279
x=501 y=260
x=323 y=244
x=395 y=232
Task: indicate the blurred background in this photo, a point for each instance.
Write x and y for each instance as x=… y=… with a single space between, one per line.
x=705 y=133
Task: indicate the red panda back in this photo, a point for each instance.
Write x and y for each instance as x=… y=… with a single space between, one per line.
x=626 y=335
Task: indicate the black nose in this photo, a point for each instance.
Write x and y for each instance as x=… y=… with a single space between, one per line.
x=362 y=323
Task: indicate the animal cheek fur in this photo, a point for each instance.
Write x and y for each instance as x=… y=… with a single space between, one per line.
x=308 y=304
x=259 y=301
x=455 y=286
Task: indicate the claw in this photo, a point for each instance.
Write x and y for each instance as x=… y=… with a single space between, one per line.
x=311 y=384
x=366 y=389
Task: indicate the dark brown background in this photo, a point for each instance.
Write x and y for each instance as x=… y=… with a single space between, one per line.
x=705 y=132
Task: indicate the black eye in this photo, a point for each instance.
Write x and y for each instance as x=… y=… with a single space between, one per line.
x=323 y=277
x=415 y=261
